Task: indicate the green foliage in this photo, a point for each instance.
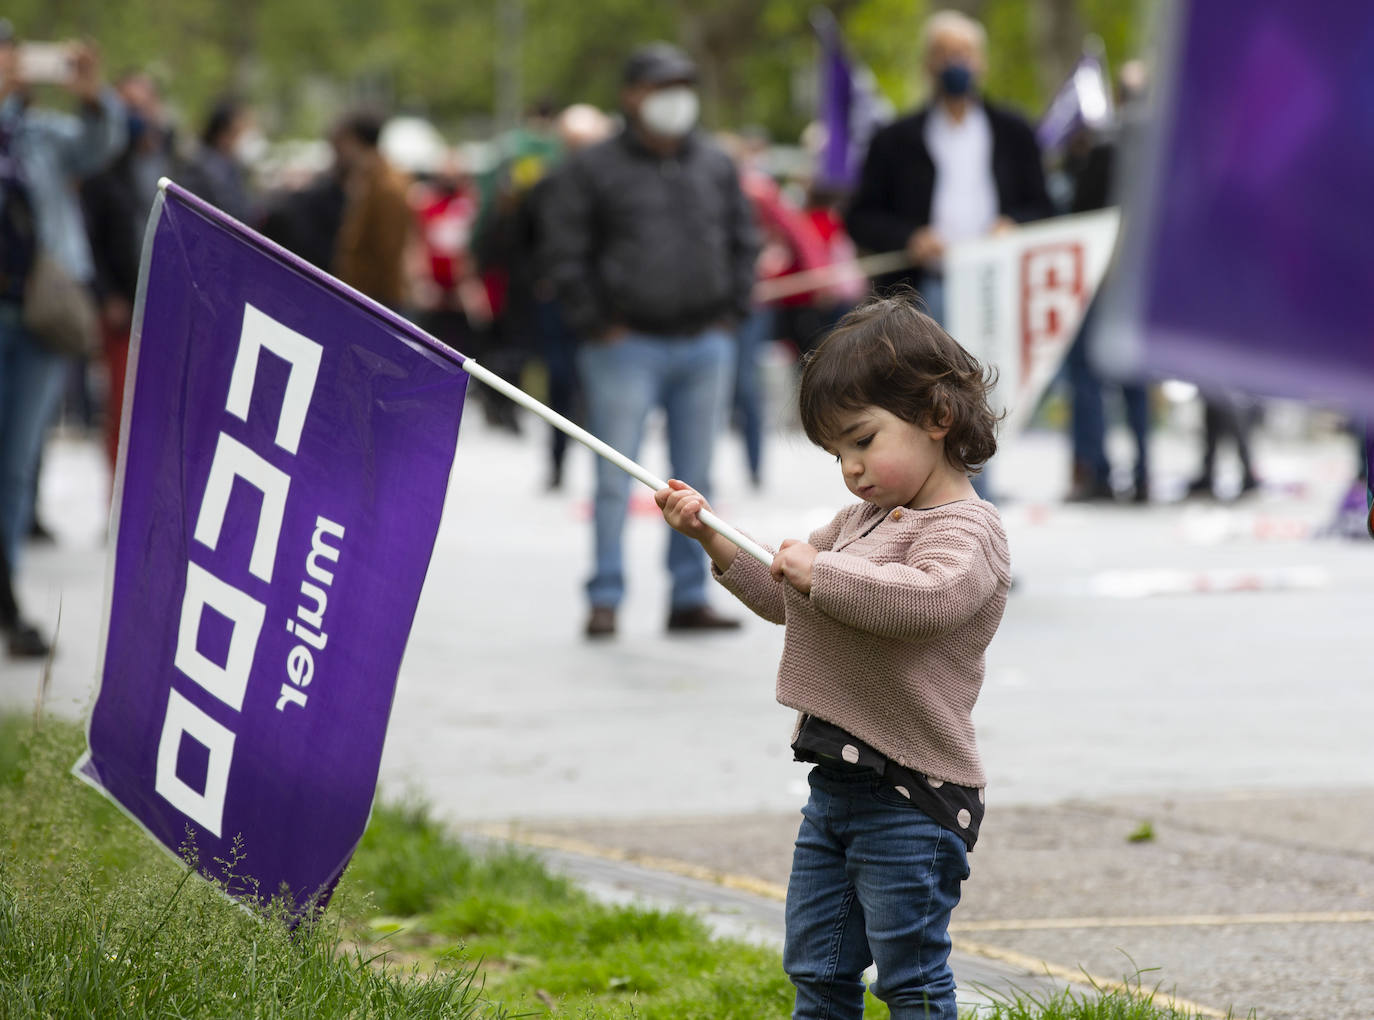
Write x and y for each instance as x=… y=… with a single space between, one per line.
x=405 y=862
x=1012 y=72
x=543 y=941
x=408 y=864
x=301 y=60
x=1133 y=1001
x=886 y=35
x=94 y=921
x=1142 y=833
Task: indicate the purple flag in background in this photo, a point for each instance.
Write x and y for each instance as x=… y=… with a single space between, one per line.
x=849 y=107
x=1247 y=257
x=285 y=457
x=1084 y=100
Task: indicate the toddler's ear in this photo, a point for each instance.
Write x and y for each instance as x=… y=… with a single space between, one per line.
x=941 y=417
x=940 y=421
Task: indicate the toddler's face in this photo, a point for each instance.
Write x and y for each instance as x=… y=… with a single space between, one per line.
x=887 y=461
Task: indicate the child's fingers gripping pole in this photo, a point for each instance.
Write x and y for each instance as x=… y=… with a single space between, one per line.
x=634 y=470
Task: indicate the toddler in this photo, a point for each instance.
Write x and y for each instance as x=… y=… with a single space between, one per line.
x=888 y=610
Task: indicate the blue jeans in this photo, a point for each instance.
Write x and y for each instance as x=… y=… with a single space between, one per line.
x=753 y=334
x=933 y=297
x=622 y=381
x=1088 y=418
x=873 y=881
x=31 y=380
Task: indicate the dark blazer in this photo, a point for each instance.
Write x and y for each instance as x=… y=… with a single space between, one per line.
x=116 y=212
x=115 y=217
x=898 y=180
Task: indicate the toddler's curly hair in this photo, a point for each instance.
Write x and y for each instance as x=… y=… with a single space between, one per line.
x=887 y=353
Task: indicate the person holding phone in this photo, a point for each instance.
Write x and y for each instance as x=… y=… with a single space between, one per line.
x=41 y=153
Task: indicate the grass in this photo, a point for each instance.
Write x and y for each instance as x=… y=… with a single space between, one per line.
x=96 y=921
x=544 y=944
x=1134 y=1002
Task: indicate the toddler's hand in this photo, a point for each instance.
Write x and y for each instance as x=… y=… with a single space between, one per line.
x=793 y=564
x=681 y=505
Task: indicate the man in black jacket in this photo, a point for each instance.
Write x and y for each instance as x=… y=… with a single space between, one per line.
x=958 y=168
x=650 y=246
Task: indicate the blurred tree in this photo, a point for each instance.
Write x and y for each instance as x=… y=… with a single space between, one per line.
x=302 y=59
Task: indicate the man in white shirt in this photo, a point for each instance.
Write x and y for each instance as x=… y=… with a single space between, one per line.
x=959 y=167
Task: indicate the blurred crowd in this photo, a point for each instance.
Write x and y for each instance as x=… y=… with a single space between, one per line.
x=613 y=263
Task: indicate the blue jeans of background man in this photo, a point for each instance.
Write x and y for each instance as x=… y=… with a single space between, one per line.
x=753 y=334
x=874 y=880
x=932 y=294
x=932 y=302
x=31 y=381
x=1088 y=417
x=622 y=381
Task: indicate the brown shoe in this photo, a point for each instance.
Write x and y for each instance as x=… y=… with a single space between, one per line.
x=700 y=618
x=602 y=622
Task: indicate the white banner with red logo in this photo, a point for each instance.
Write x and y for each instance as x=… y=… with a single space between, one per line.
x=1016 y=300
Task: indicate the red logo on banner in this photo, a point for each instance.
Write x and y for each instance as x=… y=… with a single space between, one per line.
x=1053 y=292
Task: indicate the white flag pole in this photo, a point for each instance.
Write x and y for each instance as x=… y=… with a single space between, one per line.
x=829 y=276
x=529 y=403
x=634 y=470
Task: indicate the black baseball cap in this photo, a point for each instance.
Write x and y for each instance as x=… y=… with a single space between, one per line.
x=658 y=64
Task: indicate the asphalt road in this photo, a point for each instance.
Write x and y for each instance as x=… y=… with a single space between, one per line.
x=1200 y=667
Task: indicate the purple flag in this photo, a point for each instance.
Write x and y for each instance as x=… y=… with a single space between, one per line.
x=1084 y=100
x=1247 y=259
x=286 y=451
x=849 y=107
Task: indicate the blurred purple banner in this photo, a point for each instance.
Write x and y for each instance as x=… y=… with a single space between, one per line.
x=1084 y=100
x=285 y=457
x=1247 y=258
x=849 y=107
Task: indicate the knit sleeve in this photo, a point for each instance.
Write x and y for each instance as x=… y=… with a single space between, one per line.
x=944 y=579
x=749 y=581
x=824 y=538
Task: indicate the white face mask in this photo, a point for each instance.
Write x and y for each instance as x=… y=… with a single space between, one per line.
x=670 y=112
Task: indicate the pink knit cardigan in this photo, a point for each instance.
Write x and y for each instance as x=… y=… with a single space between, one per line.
x=889 y=644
